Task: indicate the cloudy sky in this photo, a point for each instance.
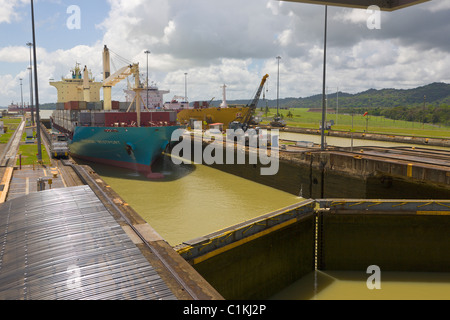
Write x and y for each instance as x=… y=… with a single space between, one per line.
x=225 y=41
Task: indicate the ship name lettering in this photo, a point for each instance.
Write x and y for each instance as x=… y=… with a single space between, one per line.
x=101 y=142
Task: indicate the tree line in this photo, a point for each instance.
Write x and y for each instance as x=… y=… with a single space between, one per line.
x=434 y=114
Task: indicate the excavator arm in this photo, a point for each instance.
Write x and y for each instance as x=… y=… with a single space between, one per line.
x=254 y=103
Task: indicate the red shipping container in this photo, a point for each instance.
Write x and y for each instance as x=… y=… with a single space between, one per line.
x=71 y=105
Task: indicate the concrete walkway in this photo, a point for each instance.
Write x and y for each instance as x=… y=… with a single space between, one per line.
x=25 y=181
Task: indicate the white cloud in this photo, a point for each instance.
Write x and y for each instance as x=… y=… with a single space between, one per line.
x=285 y=38
x=236 y=42
x=14 y=54
x=8 y=88
x=355 y=16
x=439 y=5
x=8 y=12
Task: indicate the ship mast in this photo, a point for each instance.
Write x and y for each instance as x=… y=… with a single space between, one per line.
x=137 y=89
x=86 y=85
x=107 y=104
x=111 y=80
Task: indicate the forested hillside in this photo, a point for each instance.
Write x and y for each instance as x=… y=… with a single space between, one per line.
x=429 y=104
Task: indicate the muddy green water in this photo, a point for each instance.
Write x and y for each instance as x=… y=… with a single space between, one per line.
x=351 y=285
x=193 y=201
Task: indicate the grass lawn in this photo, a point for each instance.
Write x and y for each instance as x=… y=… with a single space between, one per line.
x=28 y=151
x=11 y=124
x=343 y=122
x=29 y=155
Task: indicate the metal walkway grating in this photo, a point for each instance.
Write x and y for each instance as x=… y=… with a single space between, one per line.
x=63 y=244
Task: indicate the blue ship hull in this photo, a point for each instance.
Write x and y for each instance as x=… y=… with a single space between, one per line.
x=127 y=147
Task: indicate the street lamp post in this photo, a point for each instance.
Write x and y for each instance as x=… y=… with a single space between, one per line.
x=31 y=85
x=21 y=94
x=185 y=86
x=423 y=112
x=147 y=52
x=36 y=89
x=337 y=105
x=278 y=84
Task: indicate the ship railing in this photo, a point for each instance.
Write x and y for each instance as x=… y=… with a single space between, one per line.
x=148 y=124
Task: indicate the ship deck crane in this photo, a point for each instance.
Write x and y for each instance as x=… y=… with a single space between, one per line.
x=121 y=74
x=243 y=122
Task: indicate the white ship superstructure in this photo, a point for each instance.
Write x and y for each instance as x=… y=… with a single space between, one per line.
x=154 y=95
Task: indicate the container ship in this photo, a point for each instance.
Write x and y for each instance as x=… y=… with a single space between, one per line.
x=120 y=134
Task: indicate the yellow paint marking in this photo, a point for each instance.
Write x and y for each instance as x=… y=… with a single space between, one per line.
x=242 y=241
x=409 y=170
x=6 y=182
x=62 y=178
x=433 y=213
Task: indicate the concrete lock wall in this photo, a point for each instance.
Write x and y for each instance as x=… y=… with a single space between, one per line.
x=407 y=236
x=256 y=259
x=259 y=269
x=311 y=182
x=393 y=242
x=315 y=175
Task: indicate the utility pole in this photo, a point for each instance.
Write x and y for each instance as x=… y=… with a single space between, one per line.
x=337 y=105
x=278 y=84
x=353 y=112
x=423 y=112
x=185 y=86
x=38 y=122
x=31 y=85
x=322 y=144
x=367 y=124
x=21 y=95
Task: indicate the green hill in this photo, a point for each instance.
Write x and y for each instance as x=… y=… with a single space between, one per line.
x=436 y=94
x=429 y=103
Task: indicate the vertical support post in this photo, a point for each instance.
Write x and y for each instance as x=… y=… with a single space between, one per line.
x=278 y=84
x=185 y=87
x=322 y=143
x=38 y=122
x=31 y=85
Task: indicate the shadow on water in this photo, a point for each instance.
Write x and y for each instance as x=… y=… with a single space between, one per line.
x=162 y=164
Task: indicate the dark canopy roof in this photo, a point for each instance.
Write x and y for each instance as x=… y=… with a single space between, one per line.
x=386 y=5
